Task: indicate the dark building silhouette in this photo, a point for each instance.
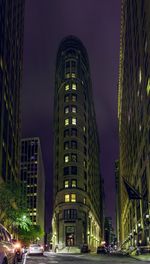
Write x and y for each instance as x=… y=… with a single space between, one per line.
x=33 y=179
x=11 y=56
x=134 y=122
x=78 y=212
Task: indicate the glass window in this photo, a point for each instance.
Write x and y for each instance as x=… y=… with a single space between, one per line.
x=84 y=200
x=66 y=98
x=74 y=157
x=66 y=110
x=73 y=132
x=66 y=170
x=74 y=121
x=74 y=97
x=66 y=145
x=66 y=87
x=73 y=75
x=74 y=170
x=74 y=144
x=74 y=86
x=74 y=183
x=84 y=129
x=85 y=163
x=66 y=158
x=66 y=184
x=73 y=109
x=73 y=197
x=67 y=198
x=66 y=121
x=66 y=132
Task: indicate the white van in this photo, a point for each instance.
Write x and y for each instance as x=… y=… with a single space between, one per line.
x=7 y=249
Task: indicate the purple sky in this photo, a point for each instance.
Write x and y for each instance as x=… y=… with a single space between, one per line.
x=97 y=24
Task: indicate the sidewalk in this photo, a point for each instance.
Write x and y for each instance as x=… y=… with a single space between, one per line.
x=144 y=257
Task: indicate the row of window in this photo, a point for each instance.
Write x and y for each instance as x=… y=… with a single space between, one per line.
x=71 y=109
x=72 y=132
x=72 y=144
x=72 y=121
x=70 y=170
x=67 y=97
x=71 y=197
x=73 y=86
x=72 y=184
x=70 y=214
x=72 y=158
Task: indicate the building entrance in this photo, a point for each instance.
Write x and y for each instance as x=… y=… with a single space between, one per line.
x=70 y=236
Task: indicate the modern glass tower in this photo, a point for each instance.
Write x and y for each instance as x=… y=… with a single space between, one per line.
x=33 y=179
x=134 y=121
x=77 y=213
x=11 y=61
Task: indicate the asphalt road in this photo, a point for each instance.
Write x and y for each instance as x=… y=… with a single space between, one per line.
x=50 y=258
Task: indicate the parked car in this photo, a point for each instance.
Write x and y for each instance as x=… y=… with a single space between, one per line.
x=101 y=250
x=18 y=249
x=36 y=249
x=7 y=249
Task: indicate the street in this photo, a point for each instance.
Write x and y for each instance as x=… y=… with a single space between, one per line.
x=49 y=258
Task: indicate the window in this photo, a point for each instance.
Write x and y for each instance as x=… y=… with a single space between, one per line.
x=74 y=86
x=73 y=75
x=84 y=200
x=66 y=98
x=74 y=157
x=66 y=132
x=84 y=129
x=85 y=163
x=66 y=184
x=73 y=183
x=66 y=158
x=85 y=151
x=74 y=97
x=66 y=87
x=74 y=121
x=73 y=132
x=74 y=170
x=66 y=110
x=67 y=198
x=66 y=145
x=66 y=170
x=73 y=197
x=73 y=109
x=66 y=121
x=85 y=140
x=70 y=214
x=85 y=175
x=74 y=144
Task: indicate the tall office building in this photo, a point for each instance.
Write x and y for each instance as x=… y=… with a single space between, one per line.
x=33 y=179
x=11 y=55
x=134 y=121
x=77 y=215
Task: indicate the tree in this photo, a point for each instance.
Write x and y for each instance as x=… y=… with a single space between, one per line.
x=34 y=234
x=13 y=210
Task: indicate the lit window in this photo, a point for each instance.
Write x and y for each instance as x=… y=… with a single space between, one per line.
x=66 y=110
x=74 y=121
x=84 y=200
x=74 y=86
x=73 y=75
x=66 y=98
x=140 y=75
x=66 y=158
x=66 y=184
x=84 y=129
x=67 y=75
x=73 y=109
x=73 y=183
x=66 y=87
x=66 y=121
x=73 y=197
x=67 y=198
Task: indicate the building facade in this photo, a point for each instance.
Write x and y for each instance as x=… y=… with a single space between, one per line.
x=11 y=61
x=78 y=212
x=33 y=179
x=134 y=121
x=117 y=201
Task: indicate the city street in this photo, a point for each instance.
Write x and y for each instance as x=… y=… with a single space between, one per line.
x=49 y=258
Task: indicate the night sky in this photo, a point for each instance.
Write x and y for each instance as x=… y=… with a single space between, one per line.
x=97 y=24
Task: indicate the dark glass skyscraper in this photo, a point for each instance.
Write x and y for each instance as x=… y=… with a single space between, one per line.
x=77 y=214
x=11 y=55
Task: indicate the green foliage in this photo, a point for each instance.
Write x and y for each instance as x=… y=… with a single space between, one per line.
x=32 y=235
x=13 y=209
